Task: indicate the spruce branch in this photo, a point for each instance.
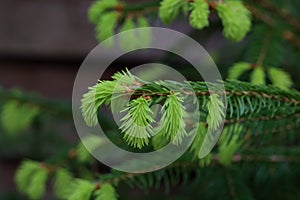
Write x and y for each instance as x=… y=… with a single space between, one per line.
x=63 y=179
x=263 y=54
x=184 y=168
x=106 y=25
x=136 y=124
x=99 y=7
x=280 y=78
x=173 y=174
x=229 y=143
x=258 y=76
x=81 y=189
x=138 y=10
x=106 y=192
x=170 y=9
x=31 y=178
x=172 y=125
x=246 y=103
x=199 y=14
x=215 y=111
x=235 y=18
x=261 y=119
x=238 y=69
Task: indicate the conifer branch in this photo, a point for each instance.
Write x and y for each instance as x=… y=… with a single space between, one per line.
x=246 y=103
x=116 y=178
x=85 y=188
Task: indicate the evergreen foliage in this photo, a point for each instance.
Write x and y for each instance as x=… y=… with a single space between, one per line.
x=63 y=179
x=238 y=69
x=129 y=41
x=81 y=189
x=258 y=76
x=136 y=123
x=105 y=27
x=16 y=118
x=197 y=143
x=145 y=36
x=228 y=146
x=199 y=14
x=245 y=102
x=258 y=147
x=24 y=174
x=106 y=191
x=235 y=19
x=98 y=8
x=172 y=124
x=83 y=155
x=31 y=179
x=280 y=78
x=215 y=111
x=170 y=9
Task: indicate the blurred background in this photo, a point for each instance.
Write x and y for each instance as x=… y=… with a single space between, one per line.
x=42 y=44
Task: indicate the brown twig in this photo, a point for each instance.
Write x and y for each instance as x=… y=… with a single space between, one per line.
x=283 y=13
x=264 y=49
x=289 y=35
x=231 y=187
